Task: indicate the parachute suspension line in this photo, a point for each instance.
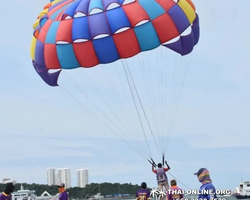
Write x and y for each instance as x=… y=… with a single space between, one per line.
x=129 y=133
x=97 y=106
x=134 y=133
x=157 y=96
x=144 y=75
x=143 y=130
x=105 y=101
x=162 y=91
x=98 y=118
x=179 y=95
x=147 y=80
x=152 y=162
x=115 y=97
x=124 y=111
x=163 y=159
x=145 y=115
x=179 y=181
x=124 y=134
x=106 y=116
x=167 y=116
x=132 y=103
x=172 y=99
x=163 y=98
x=164 y=110
x=96 y=88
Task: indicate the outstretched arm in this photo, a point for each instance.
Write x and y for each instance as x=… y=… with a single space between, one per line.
x=167 y=165
x=153 y=168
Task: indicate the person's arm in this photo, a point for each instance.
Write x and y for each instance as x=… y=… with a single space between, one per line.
x=153 y=168
x=166 y=169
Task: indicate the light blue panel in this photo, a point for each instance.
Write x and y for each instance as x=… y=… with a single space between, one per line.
x=95 y=4
x=147 y=36
x=43 y=21
x=66 y=56
x=51 y=34
x=56 y=13
x=152 y=8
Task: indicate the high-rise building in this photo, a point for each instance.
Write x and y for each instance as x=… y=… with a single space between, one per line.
x=63 y=175
x=82 y=177
x=51 y=179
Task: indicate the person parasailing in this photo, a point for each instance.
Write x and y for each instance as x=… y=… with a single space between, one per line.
x=161 y=176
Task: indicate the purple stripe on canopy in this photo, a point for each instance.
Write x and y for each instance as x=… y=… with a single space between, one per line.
x=179 y=17
x=83 y=7
x=39 y=53
x=182 y=46
x=98 y=24
x=49 y=78
x=196 y=29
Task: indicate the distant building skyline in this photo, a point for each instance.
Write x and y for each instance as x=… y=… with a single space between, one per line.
x=51 y=177
x=58 y=175
x=63 y=175
x=82 y=177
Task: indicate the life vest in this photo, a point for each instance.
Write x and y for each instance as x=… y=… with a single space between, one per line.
x=160 y=175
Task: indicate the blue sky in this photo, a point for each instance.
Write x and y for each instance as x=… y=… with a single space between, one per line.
x=43 y=127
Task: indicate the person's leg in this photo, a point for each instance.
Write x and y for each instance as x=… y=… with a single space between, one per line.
x=166 y=185
x=160 y=186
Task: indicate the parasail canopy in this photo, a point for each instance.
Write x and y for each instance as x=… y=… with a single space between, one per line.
x=84 y=33
x=71 y=34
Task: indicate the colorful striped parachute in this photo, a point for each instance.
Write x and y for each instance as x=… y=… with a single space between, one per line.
x=138 y=99
x=84 y=33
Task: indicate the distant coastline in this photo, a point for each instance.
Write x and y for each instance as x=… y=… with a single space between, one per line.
x=109 y=190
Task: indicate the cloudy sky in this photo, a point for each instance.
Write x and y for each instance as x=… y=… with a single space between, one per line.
x=90 y=121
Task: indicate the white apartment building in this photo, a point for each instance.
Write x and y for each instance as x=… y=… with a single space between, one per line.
x=51 y=178
x=63 y=175
x=82 y=177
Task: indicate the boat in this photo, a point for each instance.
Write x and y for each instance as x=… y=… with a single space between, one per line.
x=23 y=194
x=98 y=196
x=242 y=191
